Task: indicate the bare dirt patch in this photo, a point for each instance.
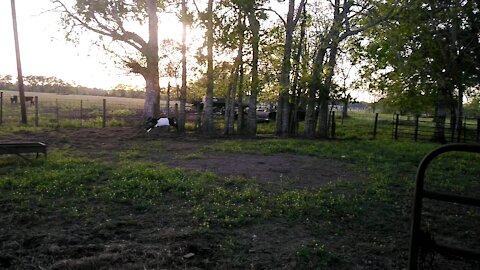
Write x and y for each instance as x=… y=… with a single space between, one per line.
x=287 y=169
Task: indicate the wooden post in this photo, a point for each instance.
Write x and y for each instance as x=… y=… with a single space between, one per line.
x=104 y=122
x=1 y=108
x=56 y=112
x=36 y=111
x=81 y=112
x=416 y=127
x=465 y=129
x=375 y=126
x=21 y=88
x=397 y=121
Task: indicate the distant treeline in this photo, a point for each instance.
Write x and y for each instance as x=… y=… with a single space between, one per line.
x=45 y=84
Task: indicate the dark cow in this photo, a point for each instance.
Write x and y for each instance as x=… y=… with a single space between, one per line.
x=160 y=122
x=14 y=100
x=31 y=99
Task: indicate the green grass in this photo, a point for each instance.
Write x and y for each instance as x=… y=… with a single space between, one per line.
x=375 y=206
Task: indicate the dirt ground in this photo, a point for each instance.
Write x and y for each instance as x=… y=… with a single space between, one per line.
x=121 y=237
x=292 y=170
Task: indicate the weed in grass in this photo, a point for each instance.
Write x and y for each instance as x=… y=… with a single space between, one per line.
x=130 y=154
x=314 y=255
x=196 y=155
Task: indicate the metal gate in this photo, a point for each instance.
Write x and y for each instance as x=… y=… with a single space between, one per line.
x=421 y=239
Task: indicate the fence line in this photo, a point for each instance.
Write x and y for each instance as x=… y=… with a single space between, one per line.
x=88 y=112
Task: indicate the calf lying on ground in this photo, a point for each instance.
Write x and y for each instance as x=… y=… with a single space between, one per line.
x=160 y=122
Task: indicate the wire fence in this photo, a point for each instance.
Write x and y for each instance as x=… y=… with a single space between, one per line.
x=97 y=112
x=80 y=111
x=401 y=127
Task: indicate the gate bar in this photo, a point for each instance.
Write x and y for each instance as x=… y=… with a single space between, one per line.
x=420 y=193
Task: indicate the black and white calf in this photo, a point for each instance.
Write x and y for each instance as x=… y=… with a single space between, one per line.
x=160 y=122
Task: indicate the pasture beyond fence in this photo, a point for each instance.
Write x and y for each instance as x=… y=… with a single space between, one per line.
x=74 y=111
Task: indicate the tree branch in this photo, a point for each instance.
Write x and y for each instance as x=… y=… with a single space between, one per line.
x=129 y=38
x=349 y=32
x=274 y=11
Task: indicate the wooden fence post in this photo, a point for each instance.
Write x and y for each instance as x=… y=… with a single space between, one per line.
x=1 y=108
x=56 y=112
x=417 y=118
x=104 y=122
x=375 y=125
x=36 y=111
x=397 y=121
x=81 y=112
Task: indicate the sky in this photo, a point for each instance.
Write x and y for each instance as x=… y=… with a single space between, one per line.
x=44 y=51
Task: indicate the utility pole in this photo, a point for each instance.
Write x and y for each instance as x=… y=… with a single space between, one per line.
x=21 y=89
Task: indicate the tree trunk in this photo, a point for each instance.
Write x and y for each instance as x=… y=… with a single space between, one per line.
x=345 y=107
x=183 y=92
x=441 y=115
x=325 y=91
x=232 y=89
x=314 y=88
x=296 y=89
x=240 y=116
x=168 y=99
x=255 y=88
x=459 y=111
x=151 y=76
x=283 y=115
x=207 y=125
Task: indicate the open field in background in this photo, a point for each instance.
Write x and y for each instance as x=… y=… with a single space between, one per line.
x=88 y=111
x=120 y=198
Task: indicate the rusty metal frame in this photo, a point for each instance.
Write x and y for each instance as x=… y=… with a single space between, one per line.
x=420 y=238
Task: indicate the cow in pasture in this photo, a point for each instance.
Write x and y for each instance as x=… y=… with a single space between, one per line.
x=31 y=99
x=14 y=100
x=160 y=122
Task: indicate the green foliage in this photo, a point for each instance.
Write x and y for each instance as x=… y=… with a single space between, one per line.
x=414 y=56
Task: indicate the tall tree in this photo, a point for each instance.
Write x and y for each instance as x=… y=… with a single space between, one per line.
x=255 y=82
x=234 y=77
x=183 y=90
x=283 y=115
x=350 y=17
x=111 y=19
x=207 y=122
x=429 y=50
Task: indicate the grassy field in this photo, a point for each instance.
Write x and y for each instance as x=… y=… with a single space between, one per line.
x=76 y=110
x=125 y=207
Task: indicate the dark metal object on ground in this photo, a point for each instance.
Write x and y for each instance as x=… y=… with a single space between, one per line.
x=20 y=148
x=424 y=240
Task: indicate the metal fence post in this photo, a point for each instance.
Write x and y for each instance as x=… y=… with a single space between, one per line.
x=36 y=111
x=397 y=120
x=375 y=125
x=478 y=129
x=104 y=122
